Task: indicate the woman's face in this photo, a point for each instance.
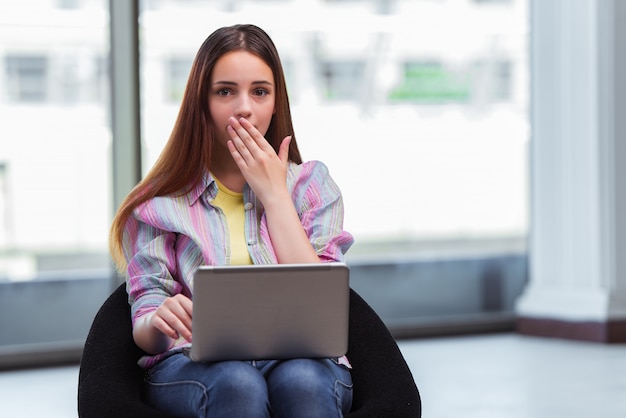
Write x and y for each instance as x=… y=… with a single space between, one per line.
x=242 y=85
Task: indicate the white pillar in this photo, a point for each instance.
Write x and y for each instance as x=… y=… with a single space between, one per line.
x=577 y=242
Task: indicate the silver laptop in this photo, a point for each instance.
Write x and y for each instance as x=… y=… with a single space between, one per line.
x=261 y=312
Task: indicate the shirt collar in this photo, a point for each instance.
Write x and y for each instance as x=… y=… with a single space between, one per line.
x=207 y=182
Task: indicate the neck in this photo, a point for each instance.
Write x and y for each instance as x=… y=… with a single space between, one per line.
x=230 y=176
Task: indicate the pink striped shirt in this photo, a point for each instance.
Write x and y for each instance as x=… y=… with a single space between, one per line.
x=167 y=237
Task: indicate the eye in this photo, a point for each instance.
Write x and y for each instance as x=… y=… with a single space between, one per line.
x=260 y=92
x=224 y=92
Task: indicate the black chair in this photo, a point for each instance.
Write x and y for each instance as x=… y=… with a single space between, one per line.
x=110 y=382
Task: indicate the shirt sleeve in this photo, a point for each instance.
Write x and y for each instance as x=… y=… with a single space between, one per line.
x=152 y=266
x=320 y=206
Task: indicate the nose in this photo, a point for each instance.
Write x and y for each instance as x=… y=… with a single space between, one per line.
x=243 y=107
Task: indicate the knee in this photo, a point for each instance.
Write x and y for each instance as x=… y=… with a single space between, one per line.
x=236 y=389
x=308 y=388
x=301 y=376
x=238 y=379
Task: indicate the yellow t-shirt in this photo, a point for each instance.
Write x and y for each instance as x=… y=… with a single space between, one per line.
x=231 y=204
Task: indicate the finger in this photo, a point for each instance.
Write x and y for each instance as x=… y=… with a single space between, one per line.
x=283 y=151
x=160 y=324
x=239 y=148
x=255 y=135
x=254 y=140
x=187 y=305
x=184 y=309
x=235 y=153
x=175 y=313
x=183 y=312
x=245 y=133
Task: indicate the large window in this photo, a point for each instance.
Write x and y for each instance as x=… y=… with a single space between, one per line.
x=420 y=110
x=418 y=107
x=54 y=170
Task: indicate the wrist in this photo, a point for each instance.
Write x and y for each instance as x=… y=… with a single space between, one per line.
x=278 y=200
x=148 y=337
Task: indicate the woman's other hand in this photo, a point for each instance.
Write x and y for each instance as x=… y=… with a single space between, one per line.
x=157 y=331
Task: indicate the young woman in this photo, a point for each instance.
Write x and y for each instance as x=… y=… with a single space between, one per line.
x=229 y=188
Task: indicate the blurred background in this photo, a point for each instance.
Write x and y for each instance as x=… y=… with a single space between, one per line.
x=420 y=109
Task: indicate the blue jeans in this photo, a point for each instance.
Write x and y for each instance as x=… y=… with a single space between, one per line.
x=248 y=389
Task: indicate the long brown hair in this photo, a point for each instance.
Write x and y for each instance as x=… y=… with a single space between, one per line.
x=187 y=155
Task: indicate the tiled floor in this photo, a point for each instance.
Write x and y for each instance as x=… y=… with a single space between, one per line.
x=487 y=376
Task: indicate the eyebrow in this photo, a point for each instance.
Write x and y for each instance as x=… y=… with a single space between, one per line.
x=232 y=83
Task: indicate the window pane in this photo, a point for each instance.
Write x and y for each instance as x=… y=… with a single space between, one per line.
x=418 y=107
x=26 y=78
x=177 y=73
x=54 y=168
